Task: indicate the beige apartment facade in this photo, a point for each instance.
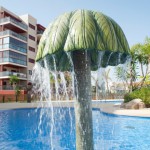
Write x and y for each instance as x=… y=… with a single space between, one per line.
x=19 y=37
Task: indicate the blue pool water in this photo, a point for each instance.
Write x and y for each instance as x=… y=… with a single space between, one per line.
x=24 y=129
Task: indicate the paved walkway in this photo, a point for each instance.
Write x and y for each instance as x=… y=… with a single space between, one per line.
x=17 y=105
x=115 y=109
x=106 y=107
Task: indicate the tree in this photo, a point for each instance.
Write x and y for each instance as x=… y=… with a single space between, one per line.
x=122 y=75
x=142 y=55
x=29 y=91
x=14 y=82
x=107 y=79
x=17 y=92
x=127 y=75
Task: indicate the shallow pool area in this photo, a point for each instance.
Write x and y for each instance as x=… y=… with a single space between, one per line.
x=26 y=129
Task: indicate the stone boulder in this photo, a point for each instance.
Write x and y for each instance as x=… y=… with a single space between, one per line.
x=134 y=104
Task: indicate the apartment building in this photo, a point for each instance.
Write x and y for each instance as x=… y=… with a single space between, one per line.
x=19 y=37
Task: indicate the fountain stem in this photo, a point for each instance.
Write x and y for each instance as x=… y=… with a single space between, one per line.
x=83 y=108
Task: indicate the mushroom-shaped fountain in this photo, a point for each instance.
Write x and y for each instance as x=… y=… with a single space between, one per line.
x=86 y=35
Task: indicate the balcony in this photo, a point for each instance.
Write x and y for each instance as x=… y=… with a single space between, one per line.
x=40 y=32
x=14 y=47
x=10 y=20
x=9 y=32
x=8 y=73
x=10 y=87
x=13 y=60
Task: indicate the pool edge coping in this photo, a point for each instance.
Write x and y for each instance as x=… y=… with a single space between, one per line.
x=104 y=107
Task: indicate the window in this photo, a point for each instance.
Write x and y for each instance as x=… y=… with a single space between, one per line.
x=5 y=54
x=31 y=37
x=30 y=72
x=31 y=49
x=12 y=43
x=4 y=83
x=13 y=71
x=1 y=54
x=6 y=40
x=17 y=56
x=18 y=43
x=31 y=60
x=10 y=56
x=1 y=41
x=31 y=26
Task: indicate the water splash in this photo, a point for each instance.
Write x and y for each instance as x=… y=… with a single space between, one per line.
x=42 y=90
x=60 y=90
x=119 y=58
x=50 y=93
x=73 y=77
x=99 y=78
x=100 y=56
x=109 y=58
x=55 y=74
x=63 y=88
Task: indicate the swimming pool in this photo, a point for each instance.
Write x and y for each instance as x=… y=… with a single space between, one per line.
x=26 y=129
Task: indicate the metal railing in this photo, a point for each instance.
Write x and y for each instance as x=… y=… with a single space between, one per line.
x=13 y=60
x=9 y=73
x=40 y=32
x=10 y=87
x=9 y=19
x=13 y=46
x=9 y=32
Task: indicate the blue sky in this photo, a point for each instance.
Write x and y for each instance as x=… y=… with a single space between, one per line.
x=132 y=15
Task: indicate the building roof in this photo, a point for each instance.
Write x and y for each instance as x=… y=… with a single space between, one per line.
x=40 y=27
x=2 y=9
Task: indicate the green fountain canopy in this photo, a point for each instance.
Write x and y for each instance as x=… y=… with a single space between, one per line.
x=83 y=30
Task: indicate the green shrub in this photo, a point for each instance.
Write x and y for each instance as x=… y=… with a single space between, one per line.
x=143 y=94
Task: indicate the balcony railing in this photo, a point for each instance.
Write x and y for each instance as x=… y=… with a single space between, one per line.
x=9 y=19
x=14 y=47
x=13 y=60
x=8 y=73
x=10 y=87
x=9 y=32
x=40 y=32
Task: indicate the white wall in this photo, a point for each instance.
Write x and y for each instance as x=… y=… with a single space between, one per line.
x=29 y=19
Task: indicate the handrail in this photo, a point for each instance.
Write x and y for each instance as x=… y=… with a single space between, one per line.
x=9 y=32
x=13 y=46
x=6 y=19
x=13 y=60
x=9 y=73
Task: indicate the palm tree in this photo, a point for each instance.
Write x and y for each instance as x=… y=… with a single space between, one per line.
x=14 y=82
x=141 y=53
x=107 y=78
x=13 y=79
